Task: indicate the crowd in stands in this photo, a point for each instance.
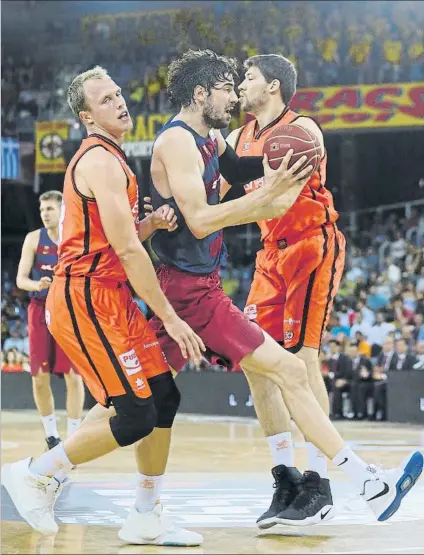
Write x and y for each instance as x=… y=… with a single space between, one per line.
x=377 y=326
x=330 y=43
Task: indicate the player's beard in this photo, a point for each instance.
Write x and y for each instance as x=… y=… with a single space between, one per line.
x=255 y=104
x=211 y=118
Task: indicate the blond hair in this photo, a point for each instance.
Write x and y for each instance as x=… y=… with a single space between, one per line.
x=76 y=96
x=51 y=195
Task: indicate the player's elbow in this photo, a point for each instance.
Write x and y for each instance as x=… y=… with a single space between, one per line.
x=126 y=252
x=19 y=283
x=198 y=228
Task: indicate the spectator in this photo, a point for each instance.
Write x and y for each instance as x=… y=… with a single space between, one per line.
x=386 y=361
x=367 y=314
x=419 y=364
x=340 y=366
x=378 y=334
x=362 y=386
x=404 y=360
x=344 y=313
x=398 y=248
x=364 y=347
x=14 y=341
x=12 y=361
x=337 y=328
x=360 y=325
x=375 y=300
x=419 y=327
x=406 y=333
x=394 y=273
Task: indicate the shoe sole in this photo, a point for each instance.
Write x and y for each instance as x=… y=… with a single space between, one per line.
x=406 y=482
x=310 y=520
x=6 y=481
x=158 y=542
x=266 y=523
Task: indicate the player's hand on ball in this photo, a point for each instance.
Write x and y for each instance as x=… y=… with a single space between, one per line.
x=44 y=283
x=283 y=178
x=190 y=344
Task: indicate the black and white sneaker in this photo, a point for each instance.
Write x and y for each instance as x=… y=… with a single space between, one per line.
x=287 y=483
x=313 y=503
x=52 y=441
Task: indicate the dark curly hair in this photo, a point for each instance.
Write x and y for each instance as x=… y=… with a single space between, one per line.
x=197 y=67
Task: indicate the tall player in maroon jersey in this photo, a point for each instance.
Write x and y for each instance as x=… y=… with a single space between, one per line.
x=35 y=271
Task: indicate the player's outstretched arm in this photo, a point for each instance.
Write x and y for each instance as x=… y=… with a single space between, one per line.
x=177 y=151
x=29 y=248
x=105 y=179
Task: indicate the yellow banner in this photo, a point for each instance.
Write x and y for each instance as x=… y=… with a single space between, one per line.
x=49 y=137
x=363 y=106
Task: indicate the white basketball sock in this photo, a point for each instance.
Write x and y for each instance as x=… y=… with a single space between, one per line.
x=317 y=461
x=354 y=466
x=73 y=425
x=51 y=462
x=50 y=427
x=148 y=492
x=282 y=450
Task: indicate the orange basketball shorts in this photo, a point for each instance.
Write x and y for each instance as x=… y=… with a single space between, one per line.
x=105 y=335
x=293 y=289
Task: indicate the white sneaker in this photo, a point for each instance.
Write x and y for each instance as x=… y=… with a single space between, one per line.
x=33 y=495
x=385 y=489
x=153 y=529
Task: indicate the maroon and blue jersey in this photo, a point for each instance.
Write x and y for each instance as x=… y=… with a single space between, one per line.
x=181 y=248
x=44 y=262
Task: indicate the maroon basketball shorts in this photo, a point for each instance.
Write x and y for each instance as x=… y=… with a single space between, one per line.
x=44 y=352
x=200 y=301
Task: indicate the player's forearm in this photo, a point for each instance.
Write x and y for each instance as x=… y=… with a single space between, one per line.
x=244 y=210
x=26 y=284
x=250 y=208
x=240 y=170
x=146 y=228
x=142 y=276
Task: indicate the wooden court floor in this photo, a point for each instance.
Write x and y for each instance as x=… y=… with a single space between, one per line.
x=218 y=482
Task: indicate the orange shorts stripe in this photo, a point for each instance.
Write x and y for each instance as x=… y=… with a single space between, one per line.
x=101 y=330
x=293 y=289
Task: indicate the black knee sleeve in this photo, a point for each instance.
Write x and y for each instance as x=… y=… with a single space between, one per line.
x=167 y=399
x=135 y=418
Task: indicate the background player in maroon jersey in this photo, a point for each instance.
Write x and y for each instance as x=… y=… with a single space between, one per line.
x=35 y=271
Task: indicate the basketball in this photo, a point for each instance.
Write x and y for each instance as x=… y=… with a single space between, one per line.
x=286 y=137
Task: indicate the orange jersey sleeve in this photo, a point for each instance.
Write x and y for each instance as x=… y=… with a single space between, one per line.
x=83 y=247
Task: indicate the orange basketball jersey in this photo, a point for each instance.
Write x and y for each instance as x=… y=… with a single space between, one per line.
x=313 y=208
x=83 y=247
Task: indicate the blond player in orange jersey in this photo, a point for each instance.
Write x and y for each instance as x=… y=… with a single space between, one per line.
x=92 y=316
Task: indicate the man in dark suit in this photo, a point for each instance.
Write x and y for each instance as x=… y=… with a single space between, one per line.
x=362 y=386
x=405 y=360
x=389 y=360
x=339 y=366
